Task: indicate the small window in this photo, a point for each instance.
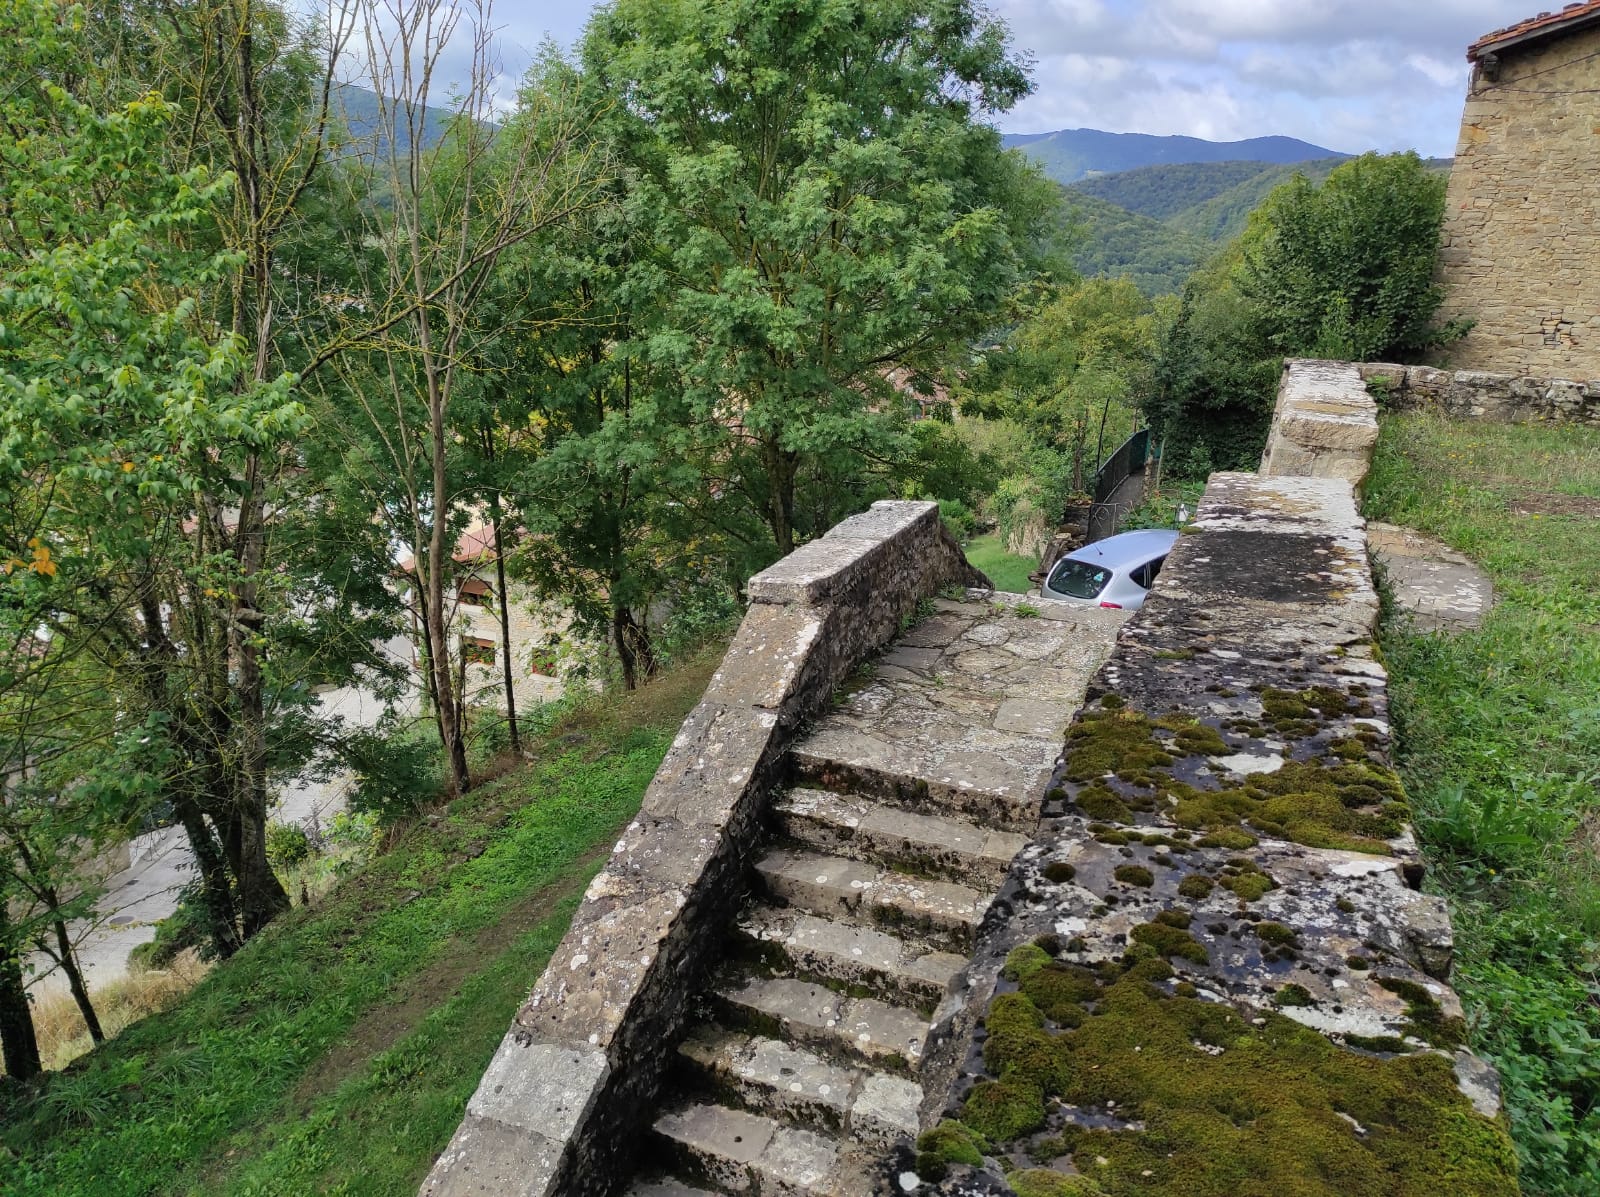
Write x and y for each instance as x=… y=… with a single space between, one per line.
x=1145 y=575
x=477 y=651
x=1078 y=579
x=474 y=592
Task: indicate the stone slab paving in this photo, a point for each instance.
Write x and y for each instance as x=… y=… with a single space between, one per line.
x=1444 y=590
x=913 y=794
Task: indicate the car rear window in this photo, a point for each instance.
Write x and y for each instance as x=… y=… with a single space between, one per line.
x=1078 y=579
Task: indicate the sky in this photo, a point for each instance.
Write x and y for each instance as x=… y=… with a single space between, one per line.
x=1350 y=75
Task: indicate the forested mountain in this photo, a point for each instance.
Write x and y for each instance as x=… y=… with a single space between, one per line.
x=1222 y=216
x=1166 y=190
x=1072 y=154
x=1154 y=224
x=358 y=108
x=1115 y=242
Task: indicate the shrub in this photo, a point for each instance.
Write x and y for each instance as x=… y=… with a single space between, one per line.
x=397 y=773
x=287 y=845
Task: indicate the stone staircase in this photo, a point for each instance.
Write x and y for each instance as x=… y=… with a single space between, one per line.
x=906 y=804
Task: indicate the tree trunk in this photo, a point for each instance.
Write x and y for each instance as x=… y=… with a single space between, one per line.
x=633 y=647
x=18 y=1043
x=261 y=896
x=503 y=599
x=781 y=468
x=215 y=889
x=80 y=992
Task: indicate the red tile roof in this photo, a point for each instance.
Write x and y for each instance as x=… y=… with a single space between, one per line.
x=1546 y=24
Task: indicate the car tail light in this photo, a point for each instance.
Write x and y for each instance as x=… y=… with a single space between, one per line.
x=1112 y=606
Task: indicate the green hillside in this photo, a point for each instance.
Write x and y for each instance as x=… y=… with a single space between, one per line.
x=1221 y=217
x=1155 y=224
x=1116 y=242
x=1166 y=190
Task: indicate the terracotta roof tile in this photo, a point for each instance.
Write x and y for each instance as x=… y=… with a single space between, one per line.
x=1544 y=25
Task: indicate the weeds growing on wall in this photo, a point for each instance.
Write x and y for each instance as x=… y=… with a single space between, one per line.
x=1499 y=745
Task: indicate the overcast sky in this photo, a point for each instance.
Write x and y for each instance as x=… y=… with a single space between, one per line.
x=1350 y=75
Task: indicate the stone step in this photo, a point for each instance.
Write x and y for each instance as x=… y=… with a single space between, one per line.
x=843 y=1028
x=922 y=845
x=843 y=954
x=736 y=1151
x=786 y=1082
x=1004 y=808
x=943 y=912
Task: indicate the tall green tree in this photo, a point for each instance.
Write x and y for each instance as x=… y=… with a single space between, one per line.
x=829 y=206
x=1345 y=270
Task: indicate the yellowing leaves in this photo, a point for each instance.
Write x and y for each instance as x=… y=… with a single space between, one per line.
x=42 y=564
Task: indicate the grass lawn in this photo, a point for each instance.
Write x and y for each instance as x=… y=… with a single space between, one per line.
x=336 y=1052
x=1006 y=570
x=1499 y=743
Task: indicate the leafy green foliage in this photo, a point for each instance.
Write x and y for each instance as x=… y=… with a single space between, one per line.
x=1115 y=243
x=1346 y=270
x=828 y=205
x=1499 y=734
x=198 y=1097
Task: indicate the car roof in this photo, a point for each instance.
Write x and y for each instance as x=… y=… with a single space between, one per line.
x=1127 y=549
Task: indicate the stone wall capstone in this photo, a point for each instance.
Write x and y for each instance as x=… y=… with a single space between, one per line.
x=1324 y=425
x=558 y=1109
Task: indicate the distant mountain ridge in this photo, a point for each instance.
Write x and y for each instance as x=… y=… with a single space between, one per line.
x=1068 y=155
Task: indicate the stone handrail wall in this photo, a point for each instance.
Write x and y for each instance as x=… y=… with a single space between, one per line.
x=1224 y=888
x=1477 y=395
x=1324 y=425
x=560 y=1105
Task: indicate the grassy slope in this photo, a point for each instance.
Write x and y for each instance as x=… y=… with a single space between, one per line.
x=336 y=1053
x=1007 y=571
x=1499 y=742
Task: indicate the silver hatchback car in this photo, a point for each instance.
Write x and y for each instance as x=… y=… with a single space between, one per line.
x=1116 y=572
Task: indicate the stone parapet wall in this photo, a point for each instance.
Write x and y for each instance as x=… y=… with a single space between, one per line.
x=1324 y=425
x=1522 y=217
x=560 y=1106
x=1213 y=969
x=1479 y=395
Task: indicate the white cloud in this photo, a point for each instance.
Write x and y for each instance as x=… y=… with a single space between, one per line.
x=1348 y=74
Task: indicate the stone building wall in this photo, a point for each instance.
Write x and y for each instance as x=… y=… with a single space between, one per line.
x=1522 y=220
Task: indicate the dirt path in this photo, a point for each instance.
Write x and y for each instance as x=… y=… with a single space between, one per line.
x=385 y=1025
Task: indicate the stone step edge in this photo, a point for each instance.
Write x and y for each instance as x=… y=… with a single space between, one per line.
x=945 y=914
x=998 y=809
x=769 y=934
x=841 y=1030
x=917 y=844
x=790 y=1084
x=780 y=1159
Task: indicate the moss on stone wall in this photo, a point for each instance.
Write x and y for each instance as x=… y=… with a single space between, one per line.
x=1120 y=762
x=1153 y=1093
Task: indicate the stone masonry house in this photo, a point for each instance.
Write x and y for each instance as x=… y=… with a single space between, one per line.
x=1522 y=222
x=475 y=616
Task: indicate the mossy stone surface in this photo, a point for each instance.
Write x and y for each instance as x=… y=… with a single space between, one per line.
x=1186 y=1098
